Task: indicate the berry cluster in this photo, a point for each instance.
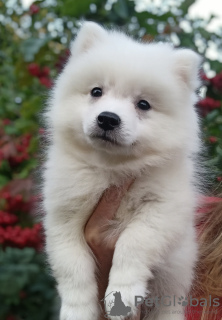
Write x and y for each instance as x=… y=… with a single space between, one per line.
x=217 y=82
x=7 y=218
x=207 y=105
x=15 y=236
x=16 y=203
x=41 y=73
x=15 y=150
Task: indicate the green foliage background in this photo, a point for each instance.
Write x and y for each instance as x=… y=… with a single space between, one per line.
x=33 y=49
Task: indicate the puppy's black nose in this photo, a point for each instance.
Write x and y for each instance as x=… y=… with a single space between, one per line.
x=108 y=120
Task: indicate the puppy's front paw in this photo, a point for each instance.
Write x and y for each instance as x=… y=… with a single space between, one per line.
x=120 y=300
x=86 y=312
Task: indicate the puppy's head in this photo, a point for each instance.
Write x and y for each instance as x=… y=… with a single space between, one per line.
x=123 y=98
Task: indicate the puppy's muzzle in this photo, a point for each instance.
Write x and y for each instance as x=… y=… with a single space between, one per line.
x=108 y=121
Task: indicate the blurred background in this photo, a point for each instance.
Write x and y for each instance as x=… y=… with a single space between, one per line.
x=34 y=45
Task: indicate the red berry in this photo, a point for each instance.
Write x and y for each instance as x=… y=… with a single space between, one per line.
x=212 y=139
x=217 y=82
x=34 y=69
x=6 y=195
x=6 y=121
x=45 y=82
x=20 y=148
x=34 y=9
x=208 y=104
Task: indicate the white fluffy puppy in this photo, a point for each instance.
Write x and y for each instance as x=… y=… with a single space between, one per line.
x=122 y=109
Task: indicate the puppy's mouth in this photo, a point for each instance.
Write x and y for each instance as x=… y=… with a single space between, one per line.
x=106 y=138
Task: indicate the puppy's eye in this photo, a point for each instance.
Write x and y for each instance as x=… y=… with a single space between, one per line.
x=96 y=92
x=143 y=105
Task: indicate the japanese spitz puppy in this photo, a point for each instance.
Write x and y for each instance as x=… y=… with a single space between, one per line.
x=120 y=110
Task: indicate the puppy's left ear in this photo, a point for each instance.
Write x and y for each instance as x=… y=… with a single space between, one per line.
x=89 y=35
x=187 y=64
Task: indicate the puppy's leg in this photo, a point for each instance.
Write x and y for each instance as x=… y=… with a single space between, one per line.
x=142 y=246
x=74 y=268
x=173 y=281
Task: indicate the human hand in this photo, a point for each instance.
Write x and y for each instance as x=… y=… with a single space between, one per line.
x=94 y=235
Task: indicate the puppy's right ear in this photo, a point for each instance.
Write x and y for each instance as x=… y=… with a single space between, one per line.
x=187 y=66
x=89 y=34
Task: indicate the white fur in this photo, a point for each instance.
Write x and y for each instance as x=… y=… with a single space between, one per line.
x=157 y=147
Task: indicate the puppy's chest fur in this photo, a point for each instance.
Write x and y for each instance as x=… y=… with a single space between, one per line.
x=84 y=188
x=136 y=197
x=130 y=207
x=133 y=201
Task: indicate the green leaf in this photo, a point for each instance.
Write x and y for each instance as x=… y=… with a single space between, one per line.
x=219 y=150
x=11 y=130
x=121 y=9
x=186 y=5
x=212 y=162
x=219 y=120
x=30 y=47
x=25 y=172
x=75 y=8
x=3 y=180
x=4 y=166
x=215 y=65
x=212 y=115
